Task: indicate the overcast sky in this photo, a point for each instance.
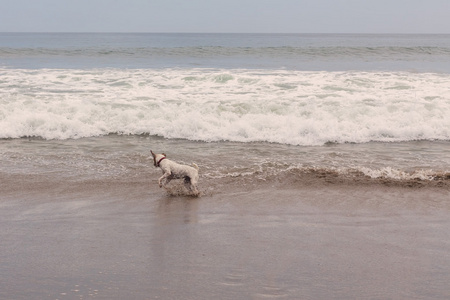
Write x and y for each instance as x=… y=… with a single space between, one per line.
x=284 y=16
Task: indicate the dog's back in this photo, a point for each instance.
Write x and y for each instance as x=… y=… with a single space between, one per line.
x=177 y=170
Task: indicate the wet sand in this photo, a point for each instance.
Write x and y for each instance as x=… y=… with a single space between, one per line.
x=133 y=241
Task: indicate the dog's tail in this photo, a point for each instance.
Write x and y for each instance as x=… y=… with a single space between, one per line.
x=195 y=166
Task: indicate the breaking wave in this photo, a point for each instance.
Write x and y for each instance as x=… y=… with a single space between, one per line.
x=277 y=106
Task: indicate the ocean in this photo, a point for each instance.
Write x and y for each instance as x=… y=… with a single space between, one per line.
x=370 y=106
x=281 y=126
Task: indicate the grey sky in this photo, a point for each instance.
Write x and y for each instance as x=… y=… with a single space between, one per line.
x=287 y=16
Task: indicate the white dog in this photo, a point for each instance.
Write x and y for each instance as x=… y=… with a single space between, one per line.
x=172 y=170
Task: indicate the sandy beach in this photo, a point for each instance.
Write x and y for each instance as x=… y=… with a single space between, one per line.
x=133 y=241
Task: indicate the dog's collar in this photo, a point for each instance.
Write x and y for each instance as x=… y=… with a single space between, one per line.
x=159 y=161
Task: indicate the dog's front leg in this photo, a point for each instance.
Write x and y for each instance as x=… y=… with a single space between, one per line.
x=164 y=179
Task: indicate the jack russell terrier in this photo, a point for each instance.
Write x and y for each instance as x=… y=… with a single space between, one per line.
x=172 y=170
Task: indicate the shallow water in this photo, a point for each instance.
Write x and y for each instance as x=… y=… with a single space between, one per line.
x=128 y=159
x=85 y=219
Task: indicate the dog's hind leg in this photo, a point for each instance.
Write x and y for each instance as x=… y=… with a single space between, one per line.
x=188 y=183
x=190 y=186
x=193 y=185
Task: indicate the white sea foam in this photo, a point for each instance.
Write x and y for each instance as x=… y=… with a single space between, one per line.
x=391 y=173
x=291 y=107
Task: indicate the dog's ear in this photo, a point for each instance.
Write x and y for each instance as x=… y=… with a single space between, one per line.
x=164 y=154
x=154 y=158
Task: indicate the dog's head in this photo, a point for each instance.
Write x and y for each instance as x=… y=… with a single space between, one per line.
x=157 y=158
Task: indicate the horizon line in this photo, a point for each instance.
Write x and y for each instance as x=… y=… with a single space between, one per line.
x=193 y=32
